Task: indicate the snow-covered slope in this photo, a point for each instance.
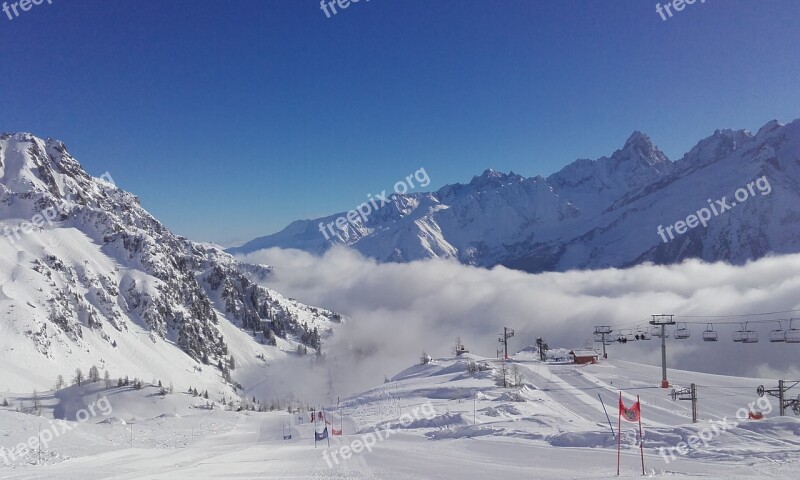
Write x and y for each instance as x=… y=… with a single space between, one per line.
x=592 y=213
x=448 y=419
x=88 y=277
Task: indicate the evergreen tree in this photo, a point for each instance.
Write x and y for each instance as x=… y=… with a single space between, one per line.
x=78 y=379
x=60 y=382
x=94 y=374
x=107 y=379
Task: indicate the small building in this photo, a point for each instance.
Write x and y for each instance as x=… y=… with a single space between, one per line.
x=581 y=357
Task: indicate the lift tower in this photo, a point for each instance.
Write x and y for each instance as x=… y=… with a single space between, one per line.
x=507 y=333
x=600 y=331
x=662 y=321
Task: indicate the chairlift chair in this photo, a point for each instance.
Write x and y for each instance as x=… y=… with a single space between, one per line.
x=682 y=331
x=745 y=335
x=738 y=335
x=793 y=334
x=710 y=335
x=656 y=331
x=628 y=335
x=778 y=335
x=643 y=334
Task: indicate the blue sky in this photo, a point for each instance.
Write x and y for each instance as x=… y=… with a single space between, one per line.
x=230 y=119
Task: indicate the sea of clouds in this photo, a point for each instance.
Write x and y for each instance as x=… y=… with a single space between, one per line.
x=398 y=310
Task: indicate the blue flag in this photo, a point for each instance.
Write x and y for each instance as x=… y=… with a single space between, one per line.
x=321 y=436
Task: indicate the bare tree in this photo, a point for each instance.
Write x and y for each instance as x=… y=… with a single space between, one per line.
x=501 y=376
x=516 y=376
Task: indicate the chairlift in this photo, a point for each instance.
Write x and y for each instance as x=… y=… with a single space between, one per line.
x=710 y=335
x=778 y=335
x=628 y=335
x=642 y=334
x=745 y=335
x=793 y=334
x=656 y=331
x=682 y=331
x=598 y=337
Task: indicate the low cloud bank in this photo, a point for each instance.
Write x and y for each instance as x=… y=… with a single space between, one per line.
x=399 y=310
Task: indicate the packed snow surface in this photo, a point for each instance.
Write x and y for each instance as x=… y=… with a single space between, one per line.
x=434 y=421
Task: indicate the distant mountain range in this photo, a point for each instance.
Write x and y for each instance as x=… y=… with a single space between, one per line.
x=88 y=277
x=592 y=213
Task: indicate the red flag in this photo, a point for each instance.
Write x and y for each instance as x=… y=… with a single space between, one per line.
x=632 y=414
x=335 y=432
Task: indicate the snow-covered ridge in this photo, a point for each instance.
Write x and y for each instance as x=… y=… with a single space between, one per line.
x=592 y=213
x=106 y=283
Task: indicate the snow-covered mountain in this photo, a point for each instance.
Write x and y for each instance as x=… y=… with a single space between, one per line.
x=88 y=277
x=592 y=213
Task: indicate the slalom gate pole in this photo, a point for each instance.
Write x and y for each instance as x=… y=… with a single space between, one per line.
x=641 y=436
x=314 y=413
x=325 y=425
x=607 y=417
x=619 y=430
